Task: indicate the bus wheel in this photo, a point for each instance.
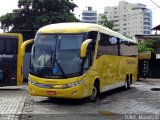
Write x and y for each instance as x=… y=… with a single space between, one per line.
x=127 y=83
x=95 y=92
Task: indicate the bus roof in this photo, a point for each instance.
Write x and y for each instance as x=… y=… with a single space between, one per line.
x=80 y=28
x=11 y=34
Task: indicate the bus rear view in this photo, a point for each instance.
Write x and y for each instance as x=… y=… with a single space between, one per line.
x=10 y=59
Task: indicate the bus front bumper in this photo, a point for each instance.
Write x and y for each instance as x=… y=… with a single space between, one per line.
x=75 y=92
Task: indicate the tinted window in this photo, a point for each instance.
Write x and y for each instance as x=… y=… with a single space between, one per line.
x=112 y=48
x=92 y=35
x=108 y=45
x=103 y=43
x=123 y=47
x=8 y=45
x=1 y=46
x=71 y=42
x=11 y=46
x=128 y=48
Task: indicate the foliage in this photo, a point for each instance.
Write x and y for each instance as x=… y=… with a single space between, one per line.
x=104 y=22
x=33 y=14
x=148 y=45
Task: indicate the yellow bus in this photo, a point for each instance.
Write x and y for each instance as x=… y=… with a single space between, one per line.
x=10 y=59
x=77 y=60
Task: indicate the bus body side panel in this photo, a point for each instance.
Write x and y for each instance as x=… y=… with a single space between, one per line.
x=19 y=70
x=132 y=63
x=112 y=70
x=19 y=61
x=108 y=71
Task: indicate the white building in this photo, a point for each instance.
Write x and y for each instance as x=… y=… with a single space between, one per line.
x=89 y=15
x=130 y=19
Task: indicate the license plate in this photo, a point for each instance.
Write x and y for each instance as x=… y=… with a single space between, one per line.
x=51 y=92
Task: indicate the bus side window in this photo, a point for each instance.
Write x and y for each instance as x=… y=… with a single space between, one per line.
x=104 y=41
x=108 y=45
x=112 y=48
x=127 y=48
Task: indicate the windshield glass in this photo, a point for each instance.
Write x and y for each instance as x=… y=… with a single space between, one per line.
x=56 y=56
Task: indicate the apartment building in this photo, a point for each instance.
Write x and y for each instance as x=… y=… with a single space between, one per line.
x=130 y=19
x=89 y=15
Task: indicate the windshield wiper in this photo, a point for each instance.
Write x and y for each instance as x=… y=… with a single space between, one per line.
x=54 y=60
x=60 y=68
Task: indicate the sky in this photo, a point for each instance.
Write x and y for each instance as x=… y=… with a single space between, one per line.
x=8 y=5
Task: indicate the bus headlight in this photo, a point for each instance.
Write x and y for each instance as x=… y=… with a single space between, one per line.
x=41 y=85
x=72 y=84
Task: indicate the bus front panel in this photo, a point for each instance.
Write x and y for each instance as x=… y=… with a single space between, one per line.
x=74 y=88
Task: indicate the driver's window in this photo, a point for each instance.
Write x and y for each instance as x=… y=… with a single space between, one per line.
x=91 y=49
x=92 y=35
x=86 y=63
x=43 y=60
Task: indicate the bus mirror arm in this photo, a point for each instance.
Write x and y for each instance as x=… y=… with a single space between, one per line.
x=84 y=46
x=23 y=46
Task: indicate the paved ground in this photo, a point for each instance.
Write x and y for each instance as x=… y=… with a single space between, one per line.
x=140 y=102
x=12 y=100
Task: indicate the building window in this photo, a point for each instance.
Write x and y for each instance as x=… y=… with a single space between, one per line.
x=146 y=32
x=89 y=14
x=89 y=18
x=148 y=14
x=147 y=23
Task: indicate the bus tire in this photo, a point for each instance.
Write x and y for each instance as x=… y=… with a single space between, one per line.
x=127 y=83
x=95 y=92
x=131 y=79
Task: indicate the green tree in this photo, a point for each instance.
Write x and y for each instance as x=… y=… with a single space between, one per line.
x=148 y=45
x=105 y=22
x=33 y=14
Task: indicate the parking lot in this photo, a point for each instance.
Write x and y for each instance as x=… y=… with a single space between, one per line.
x=142 y=101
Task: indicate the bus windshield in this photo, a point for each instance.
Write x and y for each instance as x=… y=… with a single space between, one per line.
x=56 y=55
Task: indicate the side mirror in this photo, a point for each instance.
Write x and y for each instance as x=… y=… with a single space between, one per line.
x=84 y=46
x=23 y=46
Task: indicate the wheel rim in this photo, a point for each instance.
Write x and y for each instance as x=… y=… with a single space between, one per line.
x=126 y=84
